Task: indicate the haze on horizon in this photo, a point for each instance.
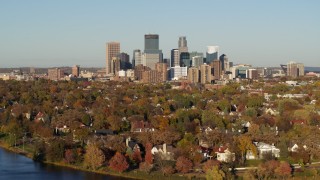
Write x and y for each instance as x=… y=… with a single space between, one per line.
x=63 y=33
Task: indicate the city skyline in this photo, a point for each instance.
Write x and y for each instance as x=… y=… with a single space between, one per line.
x=44 y=34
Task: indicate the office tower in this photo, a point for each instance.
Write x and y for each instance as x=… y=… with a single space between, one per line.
x=217 y=69
x=136 y=58
x=295 y=69
x=300 y=67
x=185 y=59
x=197 y=61
x=175 y=58
x=224 y=62
x=195 y=53
x=162 y=68
x=151 y=43
x=193 y=75
x=212 y=53
x=150 y=59
x=205 y=74
x=124 y=61
x=75 y=71
x=55 y=74
x=252 y=74
x=115 y=65
x=182 y=44
x=178 y=72
x=152 y=54
x=113 y=50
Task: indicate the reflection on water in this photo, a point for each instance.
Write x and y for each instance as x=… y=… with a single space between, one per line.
x=14 y=166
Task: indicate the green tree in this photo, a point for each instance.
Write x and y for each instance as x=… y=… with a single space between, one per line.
x=94 y=157
x=215 y=173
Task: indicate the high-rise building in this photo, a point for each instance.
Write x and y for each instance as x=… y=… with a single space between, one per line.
x=151 y=76
x=136 y=58
x=217 y=69
x=300 y=69
x=178 y=72
x=205 y=74
x=224 y=62
x=150 y=59
x=295 y=69
x=124 y=61
x=138 y=70
x=252 y=74
x=115 y=65
x=55 y=74
x=75 y=71
x=197 y=61
x=193 y=75
x=182 y=44
x=113 y=50
x=152 y=54
x=162 y=68
x=185 y=59
x=151 y=43
x=212 y=53
x=175 y=57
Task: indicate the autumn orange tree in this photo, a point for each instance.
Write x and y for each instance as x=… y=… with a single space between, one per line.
x=118 y=163
x=183 y=165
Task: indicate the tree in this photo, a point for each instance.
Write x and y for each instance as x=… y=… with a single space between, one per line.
x=136 y=156
x=209 y=164
x=118 y=163
x=69 y=156
x=183 y=165
x=81 y=134
x=55 y=150
x=146 y=167
x=267 y=170
x=245 y=144
x=94 y=157
x=215 y=173
x=284 y=170
x=148 y=157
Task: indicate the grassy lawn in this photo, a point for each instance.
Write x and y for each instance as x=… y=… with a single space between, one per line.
x=253 y=162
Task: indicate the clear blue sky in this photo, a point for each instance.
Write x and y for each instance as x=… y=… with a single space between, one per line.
x=45 y=33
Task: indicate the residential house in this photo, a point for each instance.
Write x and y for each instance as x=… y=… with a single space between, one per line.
x=40 y=117
x=263 y=149
x=165 y=151
x=295 y=148
x=271 y=111
x=132 y=145
x=224 y=154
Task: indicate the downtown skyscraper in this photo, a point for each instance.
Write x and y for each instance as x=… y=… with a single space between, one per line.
x=112 y=51
x=152 y=54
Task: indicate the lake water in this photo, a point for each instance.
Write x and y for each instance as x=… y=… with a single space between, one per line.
x=14 y=166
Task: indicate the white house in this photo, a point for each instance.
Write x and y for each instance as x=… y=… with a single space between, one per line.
x=264 y=148
x=225 y=155
x=165 y=152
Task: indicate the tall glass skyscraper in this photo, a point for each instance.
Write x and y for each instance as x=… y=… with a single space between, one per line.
x=212 y=53
x=152 y=54
x=151 y=43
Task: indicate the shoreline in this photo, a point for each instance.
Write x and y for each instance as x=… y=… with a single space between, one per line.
x=5 y=146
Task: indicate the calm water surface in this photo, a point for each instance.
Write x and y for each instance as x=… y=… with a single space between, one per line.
x=14 y=166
